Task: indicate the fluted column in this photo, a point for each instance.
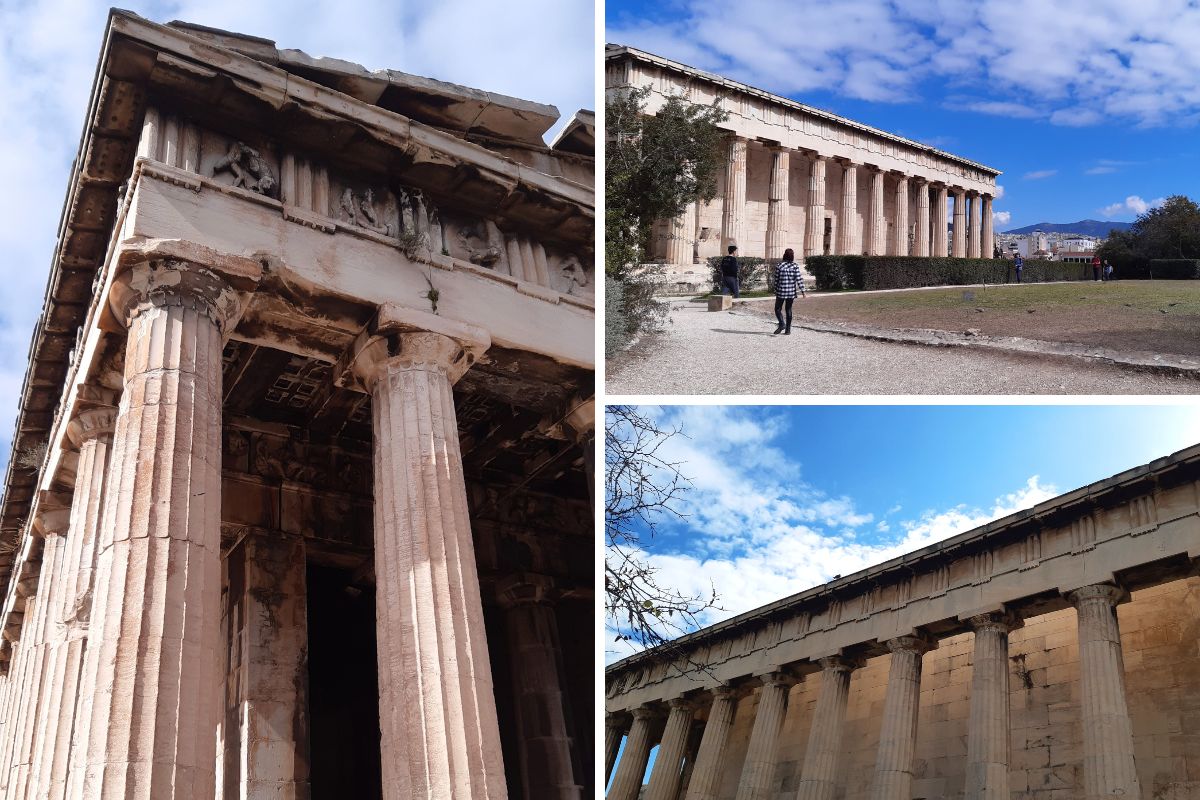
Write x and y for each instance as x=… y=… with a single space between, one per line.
x=153 y=659
x=975 y=230
x=615 y=726
x=733 y=215
x=668 y=764
x=898 y=733
x=91 y=432
x=547 y=766
x=758 y=770
x=777 y=208
x=679 y=236
x=988 y=245
x=940 y=227
x=1108 y=767
x=710 y=759
x=960 y=224
x=900 y=243
x=848 y=221
x=876 y=244
x=814 y=223
x=627 y=783
x=439 y=734
x=819 y=775
x=921 y=244
x=988 y=729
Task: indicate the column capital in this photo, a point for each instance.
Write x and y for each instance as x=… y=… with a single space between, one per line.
x=911 y=644
x=778 y=677
x=681 y=702
x=839 y=663
x=999 y=621
x=1111 y=594
x=525 y=589
x=646 y=712
x=406 y=338
x=91 y=424
x=581 y=416
x=723 y=690
x=53 y=516
x=616 y=720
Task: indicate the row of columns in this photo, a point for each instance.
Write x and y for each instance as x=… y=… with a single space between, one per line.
x=972 y=238
x=1108 y=764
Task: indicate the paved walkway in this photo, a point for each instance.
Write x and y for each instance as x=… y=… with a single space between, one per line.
x=704 y=352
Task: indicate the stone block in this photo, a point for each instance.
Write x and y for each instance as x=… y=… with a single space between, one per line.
x=722 y=302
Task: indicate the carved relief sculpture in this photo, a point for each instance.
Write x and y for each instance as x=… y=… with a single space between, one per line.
x=574 y=275
x=483 y=247
x=250 y=170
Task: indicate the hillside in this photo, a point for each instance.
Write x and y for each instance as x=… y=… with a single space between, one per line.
x=1087 y=227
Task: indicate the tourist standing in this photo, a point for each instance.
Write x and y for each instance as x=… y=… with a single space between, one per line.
x=787 y=282
x=729 y=272
x=1095 y=268
x=1019 y=263
x=1108 y=270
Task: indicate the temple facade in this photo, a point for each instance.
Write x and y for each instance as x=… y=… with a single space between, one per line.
x=810 y=180
x=1049 y=654
x=300 y=497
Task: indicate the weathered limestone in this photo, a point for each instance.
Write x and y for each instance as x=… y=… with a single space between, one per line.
x=710 y=758
x=627 y=782
x=900 y=237
x=988 y=734
x=898 y=733
x=815 y=217
x=960 y=224
x=437 y=708
x=988 y=246
x=921 y=245
x=877 y=222
x=546 y=746
x=940 y=227
x=734 y=210
x=975 y=230
x=155 y=648
x=679 y=238
x=777 y=208
x=664 y=779
x=614 y=731
x=819 y=775
x=848 y=221
x=1108 y=767
x=758 y=769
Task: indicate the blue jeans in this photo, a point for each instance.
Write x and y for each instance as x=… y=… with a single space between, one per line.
x=729 y=282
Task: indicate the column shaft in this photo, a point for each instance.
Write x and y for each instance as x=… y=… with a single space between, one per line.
x=819 y=774
x=668 y=764
x=900 y=243
x=777 y=209
x=940 y=228
x=876 y=244
x=1108 y=767
x=679 y=236
x=758 y=770
x=627 y=782
x=922 y=228
x=848 y=221
x=988 y=728
x=614 y=731
x=710 y=760
x=898 y=733
x=814 y=223
x=988 y=246
x=974 y=229
x=960 y=224
x=733 y=215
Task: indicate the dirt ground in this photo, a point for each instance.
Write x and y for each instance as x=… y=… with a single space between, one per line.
x=1153 y=316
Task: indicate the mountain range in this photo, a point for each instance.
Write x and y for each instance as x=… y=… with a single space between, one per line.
x=1086 y=227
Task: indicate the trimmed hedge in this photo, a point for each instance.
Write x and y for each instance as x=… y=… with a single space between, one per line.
x=1173 y=269
x=835 y=273
x=616 y=327
x=752 y=271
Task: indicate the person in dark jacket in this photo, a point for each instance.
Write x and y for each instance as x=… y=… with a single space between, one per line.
x=787 y=282
x=729 y=272
x=1019 y=263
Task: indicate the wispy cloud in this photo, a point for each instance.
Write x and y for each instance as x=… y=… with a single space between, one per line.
x=1037 y=175
x=1101 y=170
x=1133 y=204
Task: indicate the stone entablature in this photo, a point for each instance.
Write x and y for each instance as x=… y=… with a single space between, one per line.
x=1138 y=527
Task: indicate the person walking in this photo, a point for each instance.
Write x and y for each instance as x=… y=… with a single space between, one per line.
x=787 y=282
x=1108 y=270
x=729 y=272
x=1019 y=263
x=1095 y=268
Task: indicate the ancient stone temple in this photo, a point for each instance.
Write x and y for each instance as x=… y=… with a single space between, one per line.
x=300 y=499
x=810 y=180
x=1049 y=654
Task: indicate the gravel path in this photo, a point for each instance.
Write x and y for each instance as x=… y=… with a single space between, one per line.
x=734 y=352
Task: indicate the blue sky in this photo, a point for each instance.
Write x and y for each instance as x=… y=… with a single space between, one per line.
x=1089 y=107
x=48 y=51
x=784 y=498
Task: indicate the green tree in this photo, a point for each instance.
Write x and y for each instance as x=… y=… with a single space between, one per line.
x=1171 y=230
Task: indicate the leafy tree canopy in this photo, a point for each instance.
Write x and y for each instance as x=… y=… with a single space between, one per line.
x=1171 y=230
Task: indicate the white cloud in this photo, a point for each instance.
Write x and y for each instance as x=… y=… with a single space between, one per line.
x=1101 y=170
x=1132 y=205
x=1001 y=217
x=1000 y=108
x=1039 y=174
x=999 y=192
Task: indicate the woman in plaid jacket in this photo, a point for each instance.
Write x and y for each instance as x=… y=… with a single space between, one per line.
x=787 y=282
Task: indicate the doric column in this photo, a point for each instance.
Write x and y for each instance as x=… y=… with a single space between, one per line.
x=758 y=770
x=91 y=432
x=921 y=244
x=940 y=227
x=876 y=243
x=900 y=244
x=898 y=734
x=154 y=652
x=819 y=775
x=733 y=215
x=975 y=230
x=664 y=779
x=265 y=735
x=710 y=760
x=848 y=222
x=547 y=766
x=615 y=726
x=988 y=245
x=679 y=236
x=988 y=730
x=1108 y=768
x=960 y=224
x=814 y=223
x=777 y=208
x=439 y=734
x=627 y=783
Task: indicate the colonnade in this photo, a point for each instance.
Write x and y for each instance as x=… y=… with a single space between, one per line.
x=879 y=233
x=1108 y=761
